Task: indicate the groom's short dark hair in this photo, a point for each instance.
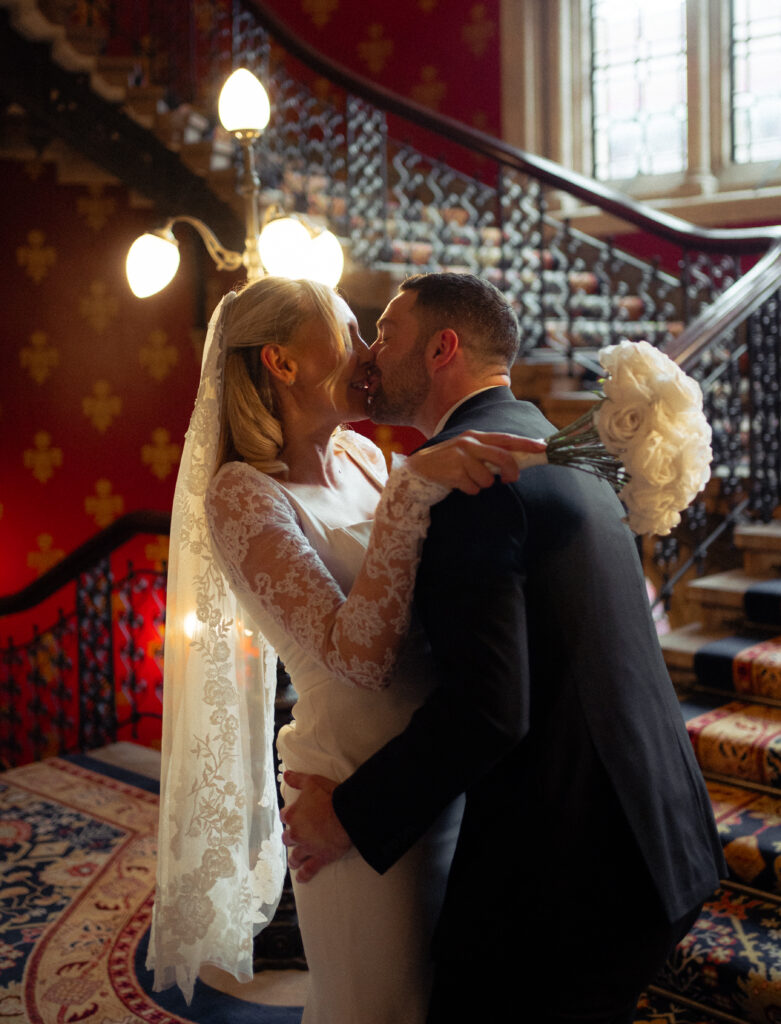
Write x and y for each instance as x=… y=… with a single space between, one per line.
x=474 y=308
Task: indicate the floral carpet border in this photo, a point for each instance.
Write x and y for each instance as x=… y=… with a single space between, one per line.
x=77 y=865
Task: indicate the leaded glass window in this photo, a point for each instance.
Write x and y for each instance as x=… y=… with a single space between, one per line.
x=756 y=80
x=638 y=82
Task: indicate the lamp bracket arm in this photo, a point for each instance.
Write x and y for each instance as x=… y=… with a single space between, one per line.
x=225 y=259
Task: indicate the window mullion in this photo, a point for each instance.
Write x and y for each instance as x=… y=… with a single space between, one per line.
x=700 y=69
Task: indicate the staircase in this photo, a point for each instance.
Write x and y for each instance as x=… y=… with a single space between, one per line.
x=726 y=666
x=495 y=211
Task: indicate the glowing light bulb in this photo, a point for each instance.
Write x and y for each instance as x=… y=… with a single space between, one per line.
x=243 y=105
x=325 y=259
x=283 y=246
x=152 y=261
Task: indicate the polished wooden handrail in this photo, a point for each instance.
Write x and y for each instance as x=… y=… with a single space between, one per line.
x=664 y=225
x=84 y=557
x=729 y=310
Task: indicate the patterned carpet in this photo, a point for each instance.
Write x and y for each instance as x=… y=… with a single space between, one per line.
x=77 y=854
x=750 y=828
x=731 y=959
x=77 y=850
x=740 y=740
x=745 y=664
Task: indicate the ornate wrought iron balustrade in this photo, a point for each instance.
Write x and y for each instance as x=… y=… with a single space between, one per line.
x=95 y=673
x=341 y=151
x=409 y=191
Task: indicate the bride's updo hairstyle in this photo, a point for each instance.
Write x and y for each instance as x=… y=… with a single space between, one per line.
x=267 y=312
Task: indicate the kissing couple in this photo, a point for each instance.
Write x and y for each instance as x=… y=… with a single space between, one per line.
x=491 y=805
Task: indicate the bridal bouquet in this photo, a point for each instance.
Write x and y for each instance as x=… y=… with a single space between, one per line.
x=647 y=436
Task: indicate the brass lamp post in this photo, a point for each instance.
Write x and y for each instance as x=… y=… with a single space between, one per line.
x=280 y=245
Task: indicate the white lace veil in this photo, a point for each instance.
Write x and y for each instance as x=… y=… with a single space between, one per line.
x=221 y=862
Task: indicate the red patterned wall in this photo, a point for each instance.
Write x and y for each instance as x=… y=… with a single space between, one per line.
x=97 y=386
x=444 y=54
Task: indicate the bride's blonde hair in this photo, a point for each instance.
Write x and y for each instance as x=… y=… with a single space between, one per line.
x=267 y=312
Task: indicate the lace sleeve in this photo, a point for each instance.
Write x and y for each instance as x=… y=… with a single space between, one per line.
x=277 y=574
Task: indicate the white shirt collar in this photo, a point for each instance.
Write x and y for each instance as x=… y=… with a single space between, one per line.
x=461 y=401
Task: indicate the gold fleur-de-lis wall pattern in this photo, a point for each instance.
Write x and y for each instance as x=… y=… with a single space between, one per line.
x=97 y=386
x=443 y=54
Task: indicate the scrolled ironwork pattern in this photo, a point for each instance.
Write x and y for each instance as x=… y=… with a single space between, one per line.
x=97 y=708
x=398 y=206
x=763 y=353
x=138 y=642
x=39 y=706
x=95 y=675
x=366 y=183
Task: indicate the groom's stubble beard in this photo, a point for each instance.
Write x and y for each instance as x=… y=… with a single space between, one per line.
x=403 y=390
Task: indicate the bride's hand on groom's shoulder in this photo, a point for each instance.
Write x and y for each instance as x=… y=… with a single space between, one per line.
x=313 y=834
x=473 y=460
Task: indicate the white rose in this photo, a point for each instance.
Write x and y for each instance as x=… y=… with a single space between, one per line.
x=625 y=387
x=659 y=525
x=656 y=461
x=620 y=424
x=650 y=509
x=634 y=367
x=678 y=392
x=696 y=453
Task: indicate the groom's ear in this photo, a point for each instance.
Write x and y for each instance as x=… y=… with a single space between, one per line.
x=442 y=348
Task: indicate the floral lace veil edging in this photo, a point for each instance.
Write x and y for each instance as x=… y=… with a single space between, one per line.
x=221 y=862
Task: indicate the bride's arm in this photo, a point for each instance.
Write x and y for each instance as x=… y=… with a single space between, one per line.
x=277 y=574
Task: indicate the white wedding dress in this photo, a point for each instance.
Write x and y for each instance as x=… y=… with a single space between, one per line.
x=290 y=562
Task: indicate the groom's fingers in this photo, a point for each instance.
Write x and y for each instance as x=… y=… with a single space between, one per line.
x=506 y=457
x=309 y=868
x=296 y=780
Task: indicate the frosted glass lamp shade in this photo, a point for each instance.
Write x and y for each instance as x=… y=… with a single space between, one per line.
x=152 y=261
x=287 y=249
x=283 y=246
x=326 y=259
x=243 y=105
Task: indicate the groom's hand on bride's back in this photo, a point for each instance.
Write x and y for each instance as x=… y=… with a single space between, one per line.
x=472 y=460
x=313 y=834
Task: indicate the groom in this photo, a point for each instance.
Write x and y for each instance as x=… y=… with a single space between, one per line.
x=588 y=843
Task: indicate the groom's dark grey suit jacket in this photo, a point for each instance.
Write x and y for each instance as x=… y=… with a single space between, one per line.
x=554 y=714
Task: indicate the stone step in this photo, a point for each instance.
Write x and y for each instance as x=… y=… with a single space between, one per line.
x=680 y=645
x=535 y=377
x=563 y=407
x=720 y=599
x=181 y=127
x=143 y=102
x=761 y=547
x=123 y=71
x=745 y=665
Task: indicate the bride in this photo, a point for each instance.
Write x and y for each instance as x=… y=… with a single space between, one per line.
x=278 y=514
